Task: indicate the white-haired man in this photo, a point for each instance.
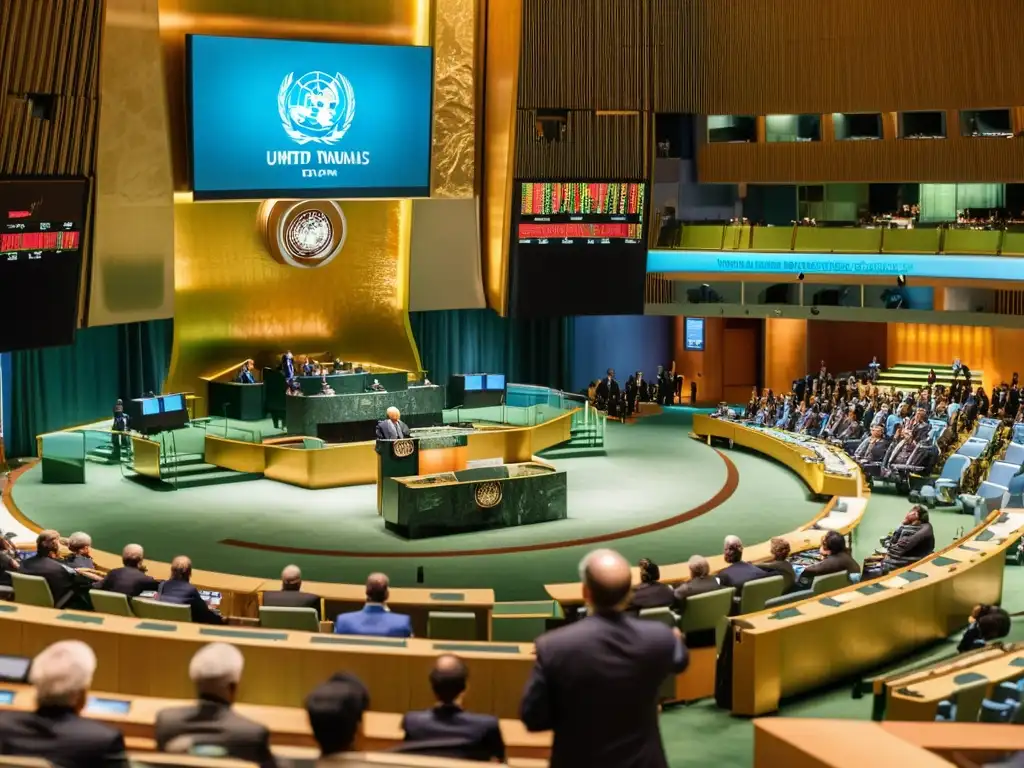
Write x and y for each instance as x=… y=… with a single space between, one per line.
x=80 y=548
x=595 y=681
x=392 y=428
x=56 y=732
x=216 y=671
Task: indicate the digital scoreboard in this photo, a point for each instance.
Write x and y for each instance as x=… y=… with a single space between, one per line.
x=567 y=212
x=41 y=224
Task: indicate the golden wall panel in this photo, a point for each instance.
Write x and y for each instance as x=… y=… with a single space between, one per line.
x=453 y=152
x=956 y=159
x=133 y=234
x=503 y=30
x=594 y=146
x=233 y=301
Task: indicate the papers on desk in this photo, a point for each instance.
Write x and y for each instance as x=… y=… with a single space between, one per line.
x=1002 y=530
x=895 y=582
x=845 y=597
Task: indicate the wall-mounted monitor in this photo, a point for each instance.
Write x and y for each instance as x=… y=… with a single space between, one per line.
x=693 y=330
x=578 y=248
x=173 y=403
x=292 y=118
x=41 y=226
x=495 y=382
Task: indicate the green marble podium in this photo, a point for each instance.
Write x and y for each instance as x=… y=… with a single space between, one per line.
x=235 y=401
x=353 y=418
x=475 y=499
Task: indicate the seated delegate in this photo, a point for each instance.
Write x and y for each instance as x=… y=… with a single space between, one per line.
x=131 y=578
x=987 y=623
x=291 y=594
x=179 y=590
x=836 y=559
x=700 y=582
x=738 y=572
x=911 y=541
x=650 y=593
x=68 y=588
x=780 y=565
x=375 y=618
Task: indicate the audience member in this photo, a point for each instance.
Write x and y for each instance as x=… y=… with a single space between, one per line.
x=780 y=565
x=80 y=547
x=374 y=618
x=650 y=593
x=987 y=623
x=912 y=540
x=448 y=730
x=335 y=709
x=179 y=590
x=835 y=560
x=738 y=572
x=131 y=578
x=215 y=671
x=595 y=681
x=699 y=583
x=69 y=589
x=9 y=561
x=56 y=731
x=291 y=594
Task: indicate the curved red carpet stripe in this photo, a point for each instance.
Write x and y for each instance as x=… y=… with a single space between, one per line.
x=728 y=488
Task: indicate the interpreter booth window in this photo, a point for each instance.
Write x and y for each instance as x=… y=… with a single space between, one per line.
x=792 y=128
x=952 y=202
x=986 y=123
x=857 y=126
x=922 y=125
x=732 y=129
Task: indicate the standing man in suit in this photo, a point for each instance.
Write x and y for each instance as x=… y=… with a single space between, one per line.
x=69 y=589
x=392 y=428
x=700 y=582
x=131 y=578
x=179 y=590
x=478 y=737
x=375 y=618
x=215 y=671
x=56 y=731
x=738 y=572
x=291 y=594
x=595 y=682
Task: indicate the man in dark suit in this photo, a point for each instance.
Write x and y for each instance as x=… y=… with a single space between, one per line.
x=335 y=709
x=288 y=365
x=472 y=736
x=606 y=396
x=835 y=560
x=595 y=681
x=80 y=549
x=392 y=428
x=56 y=732
x=179 y=590
x=650 y=593
x=69 y=589
x=738 y=572
x=700 y=582
x=246 y=375
x=291 y=594
x=780 y=565
x=130 y=579
x=215 y=671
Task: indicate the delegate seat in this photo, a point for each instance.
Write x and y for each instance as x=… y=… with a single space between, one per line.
x=112 y=603
x=1005 y=704
x=973 y=448
x=756 y=593
x=1018 y=434
x=667 y=691
x=985 y=430
x=451 y=625
x=158 y=611
x=1014 y=454
x=947 y=485
x=830 y=582
x=299 y=619
x=31 y=590
x=998 y=481
x=964 y=705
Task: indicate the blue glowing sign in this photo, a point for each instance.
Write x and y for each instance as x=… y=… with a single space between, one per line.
x=287 y=118
x=694 y=334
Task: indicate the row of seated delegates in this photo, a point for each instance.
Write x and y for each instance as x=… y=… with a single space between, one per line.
x=69 y=577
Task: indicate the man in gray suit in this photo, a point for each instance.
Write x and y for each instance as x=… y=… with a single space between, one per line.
x=595 y=682
x=392 y=428
x=210 y=723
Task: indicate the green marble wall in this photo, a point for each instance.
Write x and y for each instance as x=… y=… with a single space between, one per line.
x=303 y=414
x=422 y=510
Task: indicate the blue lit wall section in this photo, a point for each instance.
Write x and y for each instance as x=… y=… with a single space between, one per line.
x=626 y=343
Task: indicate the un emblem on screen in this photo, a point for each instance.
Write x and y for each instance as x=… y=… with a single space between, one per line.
x=317 y=108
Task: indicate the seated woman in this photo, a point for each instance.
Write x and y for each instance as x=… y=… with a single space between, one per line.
x=911 y=541
x=988 y=623
x=650 y=593
x=836 y=559
x=780 y=564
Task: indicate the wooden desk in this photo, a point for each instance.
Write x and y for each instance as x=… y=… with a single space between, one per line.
x=944 y=739
x=288 y=726
x=151 y=658
x=779 y=653
x=818 y=743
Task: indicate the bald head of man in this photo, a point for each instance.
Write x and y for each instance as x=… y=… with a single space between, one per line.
x=181 y=568
x=132 y=556
x=377 y=588
x=291 y=578
x=448 y=678
x=607 y=580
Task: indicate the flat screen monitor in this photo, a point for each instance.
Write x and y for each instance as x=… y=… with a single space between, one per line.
x=173 y=403
x=41 y=223
x=578 y=248
x=150 y=406
x=495 y=381
x=100 y=706
x=14 y=669
x=694 y=333
x=6 y=698
x=474 y=382
x=300 y=119
x=212 y=599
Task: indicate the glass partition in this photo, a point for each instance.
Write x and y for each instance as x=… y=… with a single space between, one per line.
x=993 y=123
x=857 y=126
x=63 y=457
x=922 y=125
x=731 y=129
x=782 y=128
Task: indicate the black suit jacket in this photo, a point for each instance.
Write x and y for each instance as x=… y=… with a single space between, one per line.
x=213 y=723
x=388 y=430
x=128 y=581
x=606 y=392
x=694 y=587
x=782 y=568
x=652 y=594
x=64 y=583
x=480 y=734
x=595 y=683
x=830 y=564
x=59 y=735
x=291 y=598
x=738 y=574
x=183 y=593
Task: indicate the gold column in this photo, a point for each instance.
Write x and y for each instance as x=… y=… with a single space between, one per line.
x=453 y=151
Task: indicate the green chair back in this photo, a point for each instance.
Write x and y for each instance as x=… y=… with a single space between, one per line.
x=448 y=625
x=664 y=615
x=301 y=619
x=113 y=603
x=968 y=701
x=792 y=597
x=523 y=621
x=31 y=590
x=830 y=582
x=158 y=611
x=756 y=593
x=704 y=611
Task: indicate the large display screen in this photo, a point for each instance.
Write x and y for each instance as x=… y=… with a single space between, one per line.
x=578 y=248
x=694 y=331
x=288 y=118
x=41 y=222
